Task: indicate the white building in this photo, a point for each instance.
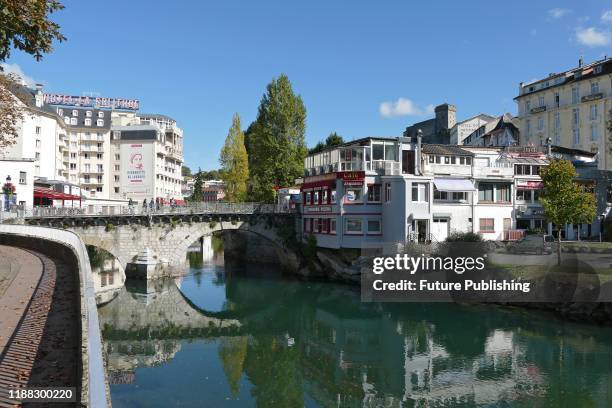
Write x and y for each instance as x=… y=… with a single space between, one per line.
x=463 y=129
x=378 y=191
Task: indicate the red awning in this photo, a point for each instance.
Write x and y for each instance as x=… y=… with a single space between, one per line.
x=319 y=184
x=44 y=192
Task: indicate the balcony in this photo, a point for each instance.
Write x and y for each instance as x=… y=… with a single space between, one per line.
x=538 y=109
x=498 y=170
x=592 y=97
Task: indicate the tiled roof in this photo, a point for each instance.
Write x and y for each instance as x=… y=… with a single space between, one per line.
x=445 y=150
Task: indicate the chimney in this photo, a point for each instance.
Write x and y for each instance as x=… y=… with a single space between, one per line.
x=417 y=158
x=580 y=62
x=549 y=147
x=39 y=97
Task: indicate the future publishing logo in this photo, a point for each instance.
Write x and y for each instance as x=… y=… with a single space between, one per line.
x=438 y=274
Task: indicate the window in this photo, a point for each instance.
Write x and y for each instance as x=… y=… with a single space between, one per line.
x=88 y=114
x=75 y=112
x=38 y=130
x=73 y=155
x=315 y=197
x=332 y=226
x=557 y=101
x=593 y=112
x=22 y=177
x=67 y=120
x=502 y=193
x=594 y=87
x=100 y=114
x=333 y=196
x=87 y=122
x=576 y=116
x=459 y=196
x=446 y=160
x=419 y=192
x=390 y=151
x=374 y=193
x=353 y=226
x=523 y=195
x=594 y=134
x=540 y=123
x=73 y=121
x=99 y=155
x=374 y=226
x=37 y=156
x=353 y=194
x=438 y=159
x=575 y=95
x=72 y=166
x=528 y=126
x=527 y=106
x=86 y=155
x=324 y=197
x=576 y=135
x=86 y=178
x=315 y=224
x=116 y=178
x=87 y=167
x=557 y=120
x=485 y=192
x=378 y=151
x=440 y=195
x=117 y=167
x=37 y=142
x=431 y=158
x=117 y=157
x=99 y=189
x=387 y=192
x=306 y=196
x=100 y=122
x=487 y=225
x=99 y=178
x=60 y=112
x=541 y=100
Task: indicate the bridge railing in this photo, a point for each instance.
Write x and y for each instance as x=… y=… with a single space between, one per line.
x=137 y=210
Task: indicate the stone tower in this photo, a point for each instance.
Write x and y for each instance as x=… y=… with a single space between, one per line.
x=446 y=116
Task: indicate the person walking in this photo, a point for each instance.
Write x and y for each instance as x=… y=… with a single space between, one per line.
x=157 y=203
x=151 y=205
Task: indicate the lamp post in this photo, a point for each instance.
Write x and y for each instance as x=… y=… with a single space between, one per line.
x=601 y=218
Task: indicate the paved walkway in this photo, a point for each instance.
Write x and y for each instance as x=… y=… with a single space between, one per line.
x=39 y=324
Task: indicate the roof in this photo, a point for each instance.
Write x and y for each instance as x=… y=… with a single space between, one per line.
x=569 y=76
x=45 y=192
x=575 y=152
x=155 y=115
x=480 y=115
x=445 y=150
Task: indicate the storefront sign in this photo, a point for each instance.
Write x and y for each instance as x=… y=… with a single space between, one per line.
x=530 y=185
x=318 y=209
x=352 y=178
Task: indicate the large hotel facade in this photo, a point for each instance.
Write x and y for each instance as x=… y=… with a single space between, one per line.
x=379 y=191
x=101 y=148
x=571 y=108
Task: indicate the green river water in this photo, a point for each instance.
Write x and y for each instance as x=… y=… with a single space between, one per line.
x=232 y=336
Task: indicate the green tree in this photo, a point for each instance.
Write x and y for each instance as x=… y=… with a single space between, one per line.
x=25 y=26
x=332 y=140
x=197 y=195
x=564 y=200
x=185 y=171
x=235 y=163
x=275 y=142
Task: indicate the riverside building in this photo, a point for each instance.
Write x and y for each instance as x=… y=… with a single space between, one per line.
x=570 y=108
x=378 y=191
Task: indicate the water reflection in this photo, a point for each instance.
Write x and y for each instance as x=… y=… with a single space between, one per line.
x=108 y=275
x=235 y=336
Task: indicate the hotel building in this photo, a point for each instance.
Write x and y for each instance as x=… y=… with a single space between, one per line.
x=571 y=108
x=379 y=191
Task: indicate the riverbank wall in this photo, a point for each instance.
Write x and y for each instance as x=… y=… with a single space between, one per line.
x=67 y=246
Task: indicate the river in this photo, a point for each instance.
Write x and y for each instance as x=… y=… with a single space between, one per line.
x=230 y=335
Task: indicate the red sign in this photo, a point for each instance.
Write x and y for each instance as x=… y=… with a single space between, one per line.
x=352 y=176
x=530 y=185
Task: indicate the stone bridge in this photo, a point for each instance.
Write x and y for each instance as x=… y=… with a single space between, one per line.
x=167 y=236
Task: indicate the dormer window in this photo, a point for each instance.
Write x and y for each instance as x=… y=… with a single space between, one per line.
x=87 y=122
x=100 y=122
x=73 y=121
x=88 y=114
x=75 y=112
x=60 y=112
x=66 y=120
x=100 y=114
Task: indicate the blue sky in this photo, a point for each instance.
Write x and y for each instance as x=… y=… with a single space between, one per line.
x=352 y=61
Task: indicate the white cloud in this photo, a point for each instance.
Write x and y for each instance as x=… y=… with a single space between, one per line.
x=593 y=37
x=17 y=71
x=607 y=16
x=403 y=107
x=558 y=13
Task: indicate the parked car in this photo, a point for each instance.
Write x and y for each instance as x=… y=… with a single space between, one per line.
x=534 y=244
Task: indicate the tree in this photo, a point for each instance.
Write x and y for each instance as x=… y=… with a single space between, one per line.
x=24 y=25
x=564 y=200
x=332 y=140
x=197 y=194
x=275 y=142
x=185 y=171
x=235 y=163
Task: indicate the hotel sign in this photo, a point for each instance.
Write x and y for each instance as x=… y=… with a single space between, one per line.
x=530 y=185
x=92 y=102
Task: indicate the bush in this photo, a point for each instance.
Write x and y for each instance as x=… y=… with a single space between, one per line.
x=309 y=248
x=109 y=227
x=212 y=224
x=464 y=237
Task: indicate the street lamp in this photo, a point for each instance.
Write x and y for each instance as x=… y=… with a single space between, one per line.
x=8 y=178
x=601 y=217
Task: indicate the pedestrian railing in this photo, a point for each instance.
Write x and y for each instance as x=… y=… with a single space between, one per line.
x=137 y=210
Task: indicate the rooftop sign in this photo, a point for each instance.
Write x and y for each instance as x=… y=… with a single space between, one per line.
x=92 y=102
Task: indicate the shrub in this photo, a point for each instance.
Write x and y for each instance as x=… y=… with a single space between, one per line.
x=464 y=237
x=309 y=248
x=109 y=227
x=212 y=224
x=607 y=231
